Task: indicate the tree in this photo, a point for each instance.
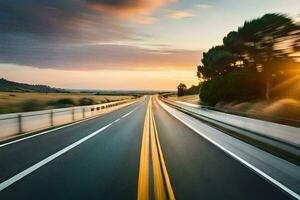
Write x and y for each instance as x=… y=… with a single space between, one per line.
x=181 y=89
x=194 y=89
x=216 y=62
x=263 y=39
x=269 y=45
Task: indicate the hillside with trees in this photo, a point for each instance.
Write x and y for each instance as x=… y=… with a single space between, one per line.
x=10 y=86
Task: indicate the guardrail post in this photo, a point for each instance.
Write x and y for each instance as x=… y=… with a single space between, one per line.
x=20 y=124
x=51 y=118
x=73 y=114
x=83 y=113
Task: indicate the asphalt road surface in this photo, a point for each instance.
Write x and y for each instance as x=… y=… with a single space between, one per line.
x=137 y=152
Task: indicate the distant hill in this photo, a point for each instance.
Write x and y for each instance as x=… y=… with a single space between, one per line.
x=10 y=86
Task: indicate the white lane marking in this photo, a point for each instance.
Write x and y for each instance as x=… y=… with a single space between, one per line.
x=27 y=171
x=36 y=166
x=252 y=167
x=117 y=120
x=44 y=132
x=128 y=113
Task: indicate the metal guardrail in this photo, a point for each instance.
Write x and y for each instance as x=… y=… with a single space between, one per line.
x=265 y=117
x=18 y=123
x=254 y=115
x=284 y=133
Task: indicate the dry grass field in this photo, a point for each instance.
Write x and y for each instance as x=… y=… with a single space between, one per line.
x=189 y=98
x=18 y=101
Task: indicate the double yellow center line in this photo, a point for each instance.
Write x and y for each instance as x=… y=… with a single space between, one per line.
x=162 y=185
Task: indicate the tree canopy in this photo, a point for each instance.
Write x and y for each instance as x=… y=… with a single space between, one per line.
x=263 y=45
x=181 y=89
x=217 y=62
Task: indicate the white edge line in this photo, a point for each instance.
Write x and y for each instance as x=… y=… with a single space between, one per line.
x=117 y=120
x=253 y=168
x=36 y=166
x=51 y=130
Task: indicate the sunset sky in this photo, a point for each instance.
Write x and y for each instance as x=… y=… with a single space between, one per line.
x=118 y=44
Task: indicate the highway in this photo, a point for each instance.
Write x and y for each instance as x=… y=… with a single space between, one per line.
x=142 y=152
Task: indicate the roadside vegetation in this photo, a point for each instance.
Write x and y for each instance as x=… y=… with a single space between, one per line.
x=256 y=69
x=31 y=101
x=182 y=90
x=187 y=98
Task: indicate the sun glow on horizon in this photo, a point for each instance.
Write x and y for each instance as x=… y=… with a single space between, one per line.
x=101 y=79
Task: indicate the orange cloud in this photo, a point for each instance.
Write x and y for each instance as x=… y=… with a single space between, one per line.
x=144 y=19
x=137 y=11
x=202 y=6
x=179 y=14
x=128 y=7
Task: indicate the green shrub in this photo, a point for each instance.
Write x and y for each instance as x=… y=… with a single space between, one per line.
x=65 y=102
x=86 y=101
x=240 y=85
x=61 y=102
x=32 y=105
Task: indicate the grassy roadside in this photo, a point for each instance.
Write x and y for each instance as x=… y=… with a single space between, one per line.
x=194 y=99
x=11 y=102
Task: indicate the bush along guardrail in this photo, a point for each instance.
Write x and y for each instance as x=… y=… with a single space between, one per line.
x=19 y=123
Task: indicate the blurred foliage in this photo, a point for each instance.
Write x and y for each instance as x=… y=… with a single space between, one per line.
x=226 y=89
x=86 y=101
x=65 y=102
x=264 y=47
x=31 y=105
x=182 y=90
